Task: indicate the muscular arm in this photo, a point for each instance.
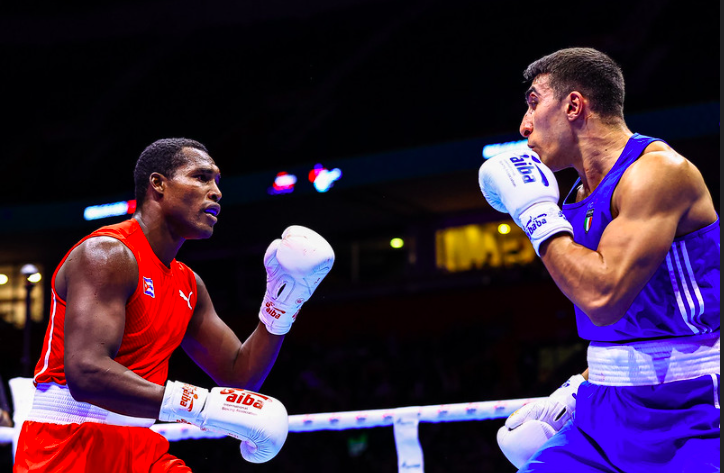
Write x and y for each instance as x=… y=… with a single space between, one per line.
x=219 y=352
x=659 y=197
x=96 y=281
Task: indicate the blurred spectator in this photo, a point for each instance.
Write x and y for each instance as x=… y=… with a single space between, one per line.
x=5 y=417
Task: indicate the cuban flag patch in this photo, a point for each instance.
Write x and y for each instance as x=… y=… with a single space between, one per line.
x=148 y=287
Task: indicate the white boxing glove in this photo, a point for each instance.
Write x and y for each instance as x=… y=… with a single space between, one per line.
x=520 y=444
x=518 y=183
x=295 y=265
x=260 y=422
x=528 y=428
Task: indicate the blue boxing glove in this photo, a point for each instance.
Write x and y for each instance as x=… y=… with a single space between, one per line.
x=518 y=183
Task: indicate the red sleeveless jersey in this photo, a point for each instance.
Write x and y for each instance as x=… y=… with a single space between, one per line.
x=157 y=313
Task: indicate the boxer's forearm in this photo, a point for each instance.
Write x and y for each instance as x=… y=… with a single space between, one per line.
x=257 y=357
x=587 y=279
x=107 y=384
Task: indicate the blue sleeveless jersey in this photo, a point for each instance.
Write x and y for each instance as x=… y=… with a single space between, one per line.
x=681 y=298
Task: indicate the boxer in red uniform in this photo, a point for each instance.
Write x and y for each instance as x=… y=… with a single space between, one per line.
x=122 y=303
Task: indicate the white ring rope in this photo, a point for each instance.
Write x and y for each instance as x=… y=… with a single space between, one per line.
x=350 y=419
x=367 y=419
x=404 y=420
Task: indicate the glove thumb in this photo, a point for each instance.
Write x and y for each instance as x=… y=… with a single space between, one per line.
x=248 y=451
x=486 y=181
x=520 y=444
x=270 y=257
x=521 y=415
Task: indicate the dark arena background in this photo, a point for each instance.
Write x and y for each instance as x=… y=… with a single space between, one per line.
x=387 y=106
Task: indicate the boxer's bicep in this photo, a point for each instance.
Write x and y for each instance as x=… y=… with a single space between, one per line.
x=650 y=201
x=648 y=205
x=101 y=274
x=631 y=250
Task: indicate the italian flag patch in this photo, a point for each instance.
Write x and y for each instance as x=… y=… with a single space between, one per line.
x=589 y=219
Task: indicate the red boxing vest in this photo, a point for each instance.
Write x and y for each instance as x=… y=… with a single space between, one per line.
x=157 y=313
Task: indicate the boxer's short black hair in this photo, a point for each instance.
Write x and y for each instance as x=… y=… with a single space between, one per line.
x=162 y=156
x=588 y=71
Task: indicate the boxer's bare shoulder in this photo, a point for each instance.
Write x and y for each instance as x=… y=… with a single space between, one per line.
x=662 y=180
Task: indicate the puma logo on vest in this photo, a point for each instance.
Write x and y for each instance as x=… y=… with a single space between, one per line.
x=186 y=298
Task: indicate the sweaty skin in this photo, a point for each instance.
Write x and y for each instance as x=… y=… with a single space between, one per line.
x=660 y=197
x=101 y=274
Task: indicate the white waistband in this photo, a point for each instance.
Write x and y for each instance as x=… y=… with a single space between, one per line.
x=653 y=362
x=53 y=404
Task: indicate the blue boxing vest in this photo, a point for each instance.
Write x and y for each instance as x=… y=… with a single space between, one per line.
x=681 y=298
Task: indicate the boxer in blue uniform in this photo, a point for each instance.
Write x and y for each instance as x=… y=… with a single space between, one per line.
x=636 y=249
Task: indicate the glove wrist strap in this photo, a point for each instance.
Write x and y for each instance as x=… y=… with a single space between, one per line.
x=182 y=403
x=541 y=221
x=278 y=318
x=568 y=392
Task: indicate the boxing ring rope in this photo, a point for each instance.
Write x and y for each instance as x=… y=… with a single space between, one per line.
x=404 y=420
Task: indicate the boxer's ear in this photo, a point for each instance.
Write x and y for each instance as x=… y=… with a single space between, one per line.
x=157 y=182
x=575 y=105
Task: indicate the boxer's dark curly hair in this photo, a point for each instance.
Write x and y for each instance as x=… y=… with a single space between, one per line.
x=162 y=156
x=588 y=71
